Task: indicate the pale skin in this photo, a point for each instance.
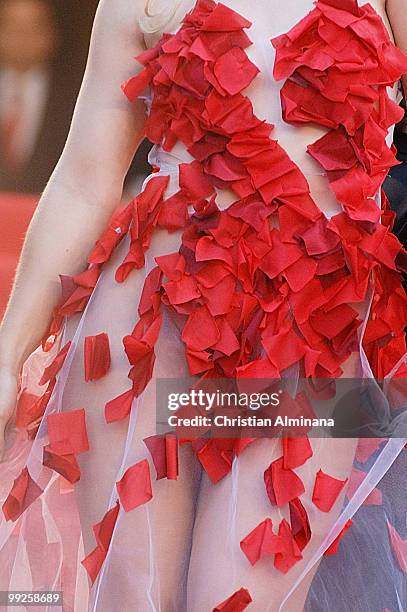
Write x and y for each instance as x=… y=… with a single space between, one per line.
x=87 y=184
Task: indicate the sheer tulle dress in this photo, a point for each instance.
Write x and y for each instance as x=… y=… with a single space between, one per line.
x=260 y=246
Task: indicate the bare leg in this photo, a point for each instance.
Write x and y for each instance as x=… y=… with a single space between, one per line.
x=228 y=511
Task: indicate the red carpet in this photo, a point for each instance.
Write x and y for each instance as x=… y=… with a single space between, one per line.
x=15 y=214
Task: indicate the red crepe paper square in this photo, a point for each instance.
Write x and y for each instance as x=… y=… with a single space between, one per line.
x=282 y=485
x=326 y=490
x=333 y=548
x=261 y=542
x=296 y=451
x=164 y=452
x=235 y=603
x=23 y=493
x=300 y=526
x=290 y=552
x=399 y=547
x=96 y=356
x=134 y=488
x=67 y=432
x=120 y=407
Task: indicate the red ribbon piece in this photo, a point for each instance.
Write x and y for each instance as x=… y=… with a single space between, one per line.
x=235 y=603
x=134 y=488
x=164 y=452
x=326 y=490
x=96 y=356
x=23 y=493
x=261 y=542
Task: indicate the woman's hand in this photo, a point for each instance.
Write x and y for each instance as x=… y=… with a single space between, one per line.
x=8 y=396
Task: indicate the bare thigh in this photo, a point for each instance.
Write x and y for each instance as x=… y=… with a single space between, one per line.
x=147 y=564
x=228 y=511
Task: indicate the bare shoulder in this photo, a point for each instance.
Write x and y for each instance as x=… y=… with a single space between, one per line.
x=119 y=18
x=116 y=39
x=120 y=13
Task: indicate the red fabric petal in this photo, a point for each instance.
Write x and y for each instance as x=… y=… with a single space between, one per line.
x=399 y=547
x=164 y=452
x=300 y=526
x=23 y=493
x=282 y=485
x=96 y=356
x=291 y=553
x=134 y=488
x=119 y=408
x=261 y=542
x=235 y=603
x=104 y=530
x=326 y=490
x=93 y=563
x=296 y=451
x=375 y=498
x=67 y=432
x=333 y=548
x=52 y=370
x=215 y=459
x=66 y=465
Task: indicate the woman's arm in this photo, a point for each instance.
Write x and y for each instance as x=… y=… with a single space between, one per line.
x=86 y=185
x=397 y=14
x=82 y=193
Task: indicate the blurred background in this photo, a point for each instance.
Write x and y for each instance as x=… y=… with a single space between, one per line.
x=43 y=50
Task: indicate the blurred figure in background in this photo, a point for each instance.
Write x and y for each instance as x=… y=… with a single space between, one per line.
x=36 y=99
